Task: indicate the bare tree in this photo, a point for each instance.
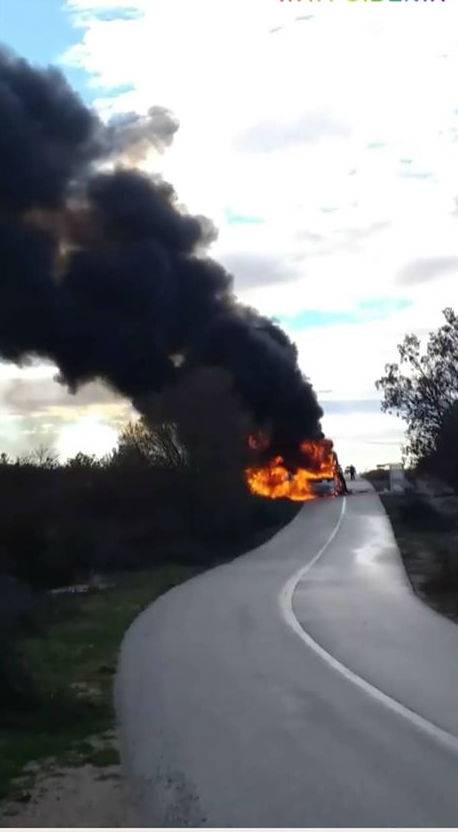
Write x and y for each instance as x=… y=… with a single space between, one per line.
x=213 y=428
x=40 y=457
x=155 y=445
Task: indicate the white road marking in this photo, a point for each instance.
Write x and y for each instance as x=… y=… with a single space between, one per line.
x=286 y=607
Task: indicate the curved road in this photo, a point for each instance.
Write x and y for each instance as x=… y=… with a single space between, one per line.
x=300 y=685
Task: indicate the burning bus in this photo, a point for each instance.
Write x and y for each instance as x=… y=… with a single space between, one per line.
x=316 y=474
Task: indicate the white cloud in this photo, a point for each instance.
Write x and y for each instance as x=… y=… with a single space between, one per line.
x=422 y=270
x=358 y=108
x=36 y=410
x=269 y=136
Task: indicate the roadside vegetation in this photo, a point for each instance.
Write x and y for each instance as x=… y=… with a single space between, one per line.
x=426 y=529
x=60 y=669
x=428 y=540
x=168 y=503
x=422 y=388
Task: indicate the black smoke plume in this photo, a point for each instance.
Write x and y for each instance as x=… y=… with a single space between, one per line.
x=105 y=275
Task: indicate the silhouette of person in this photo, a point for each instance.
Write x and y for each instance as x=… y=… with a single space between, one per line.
x=340 y=476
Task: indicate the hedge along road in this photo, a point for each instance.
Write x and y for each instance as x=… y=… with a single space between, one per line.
x=302 y=684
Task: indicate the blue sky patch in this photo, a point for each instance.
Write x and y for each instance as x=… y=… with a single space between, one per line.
x=234 y=218
x=128 y=13
x=48 y=32
x=377 y=309
x=40 y=31
x=120 y=89
x=36 y=29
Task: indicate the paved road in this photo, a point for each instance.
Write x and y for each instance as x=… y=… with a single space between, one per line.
x=301 y=685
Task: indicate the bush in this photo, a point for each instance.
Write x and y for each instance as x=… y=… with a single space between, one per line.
x=175 y=489
x=23 y=544
x=420 y=515
x=442 y=462
x=17 y=691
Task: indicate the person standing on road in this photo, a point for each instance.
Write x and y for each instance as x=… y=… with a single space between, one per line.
x=340 y=476
x=352 y=470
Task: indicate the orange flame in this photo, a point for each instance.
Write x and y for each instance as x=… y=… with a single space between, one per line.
x=275 y=480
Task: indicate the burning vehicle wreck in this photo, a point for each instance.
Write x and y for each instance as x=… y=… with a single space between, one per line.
x=315 y=474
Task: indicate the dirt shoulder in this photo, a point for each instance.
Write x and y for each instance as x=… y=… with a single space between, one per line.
x=50 y=795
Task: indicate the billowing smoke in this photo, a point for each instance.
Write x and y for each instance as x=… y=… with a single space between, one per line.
x=134 y=135
x=104 y=274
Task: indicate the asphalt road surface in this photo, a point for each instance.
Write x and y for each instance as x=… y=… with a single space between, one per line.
x=300 y=685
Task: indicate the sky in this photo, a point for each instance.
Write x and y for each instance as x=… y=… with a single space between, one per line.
x=320 y=137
